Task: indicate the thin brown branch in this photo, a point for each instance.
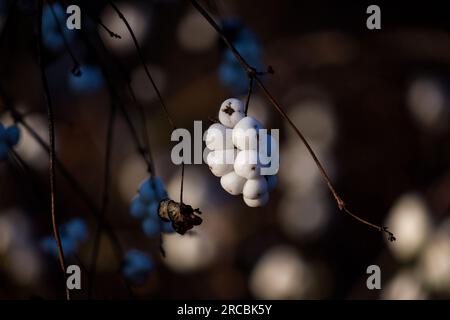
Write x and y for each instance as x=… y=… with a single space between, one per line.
x=144 y=65
x=76 y=65
x=51 y=133
x=253 y=73
x=105 y=197
x=249 y=94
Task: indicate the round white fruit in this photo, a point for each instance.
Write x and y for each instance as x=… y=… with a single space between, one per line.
x=232 y=183
x=258 y=202
x=218 y=137
x=255 y=188
x=220 y=162
x=231 y=112
x=245 y=133
x=247 y=164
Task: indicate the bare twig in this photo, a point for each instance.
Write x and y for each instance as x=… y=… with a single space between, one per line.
x=51 y=133
x=147 y=153
x=149 y=76
x=105 y=198
x=182 y=182
x=111 y=33
x=141 y=57
x=249 y=94
x=252 y=73
x=76 y=65
x=76 y=186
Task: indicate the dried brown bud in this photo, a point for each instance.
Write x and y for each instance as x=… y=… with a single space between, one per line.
x=182 y=216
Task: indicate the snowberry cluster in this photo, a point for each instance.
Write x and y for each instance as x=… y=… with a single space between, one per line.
x=145 y=206
x=137 y=266
x=236 y=157
x=72 y=235
x=9 y=137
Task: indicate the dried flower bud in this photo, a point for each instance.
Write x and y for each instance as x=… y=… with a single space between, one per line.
x=182 y=216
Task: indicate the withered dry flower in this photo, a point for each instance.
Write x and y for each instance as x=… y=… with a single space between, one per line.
x=182 y=216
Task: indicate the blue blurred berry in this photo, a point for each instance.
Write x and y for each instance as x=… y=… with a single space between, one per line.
x=152 y=190
x=152 y=210
x=12 y=135
x=167 y=227
x=90 y=80
x=231 y=73
x=72 y=234
x=76 y=230
x=52 y=27
x=137 y=266
x=233 y=77
x=48 y=245
x=151 y=227
x=137 y=208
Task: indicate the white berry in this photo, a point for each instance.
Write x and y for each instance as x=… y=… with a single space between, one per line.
x=271 y=182
x=247 y=164
x=245 y=133
x=231 y=112
x=218 y=137
x=254 y=188
x=220 y=162
x=232 y=183
x=258 y=202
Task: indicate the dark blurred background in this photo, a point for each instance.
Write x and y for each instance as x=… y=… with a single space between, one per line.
x=374 y=105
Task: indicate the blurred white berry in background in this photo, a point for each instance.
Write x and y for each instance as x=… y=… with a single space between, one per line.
x=409 y=220
x=434 y=261
x=27 y=147
x=305 y=217
x=428 y=103
x=405 y=285
x=200 y=188
x=18 y=255
x=281 y=273
x=194 y=33
x=317 y=121
x=189 y=253
x=140 y=21
x=299 y=174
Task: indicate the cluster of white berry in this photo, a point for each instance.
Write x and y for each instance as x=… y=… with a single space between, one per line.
x=237 y=154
